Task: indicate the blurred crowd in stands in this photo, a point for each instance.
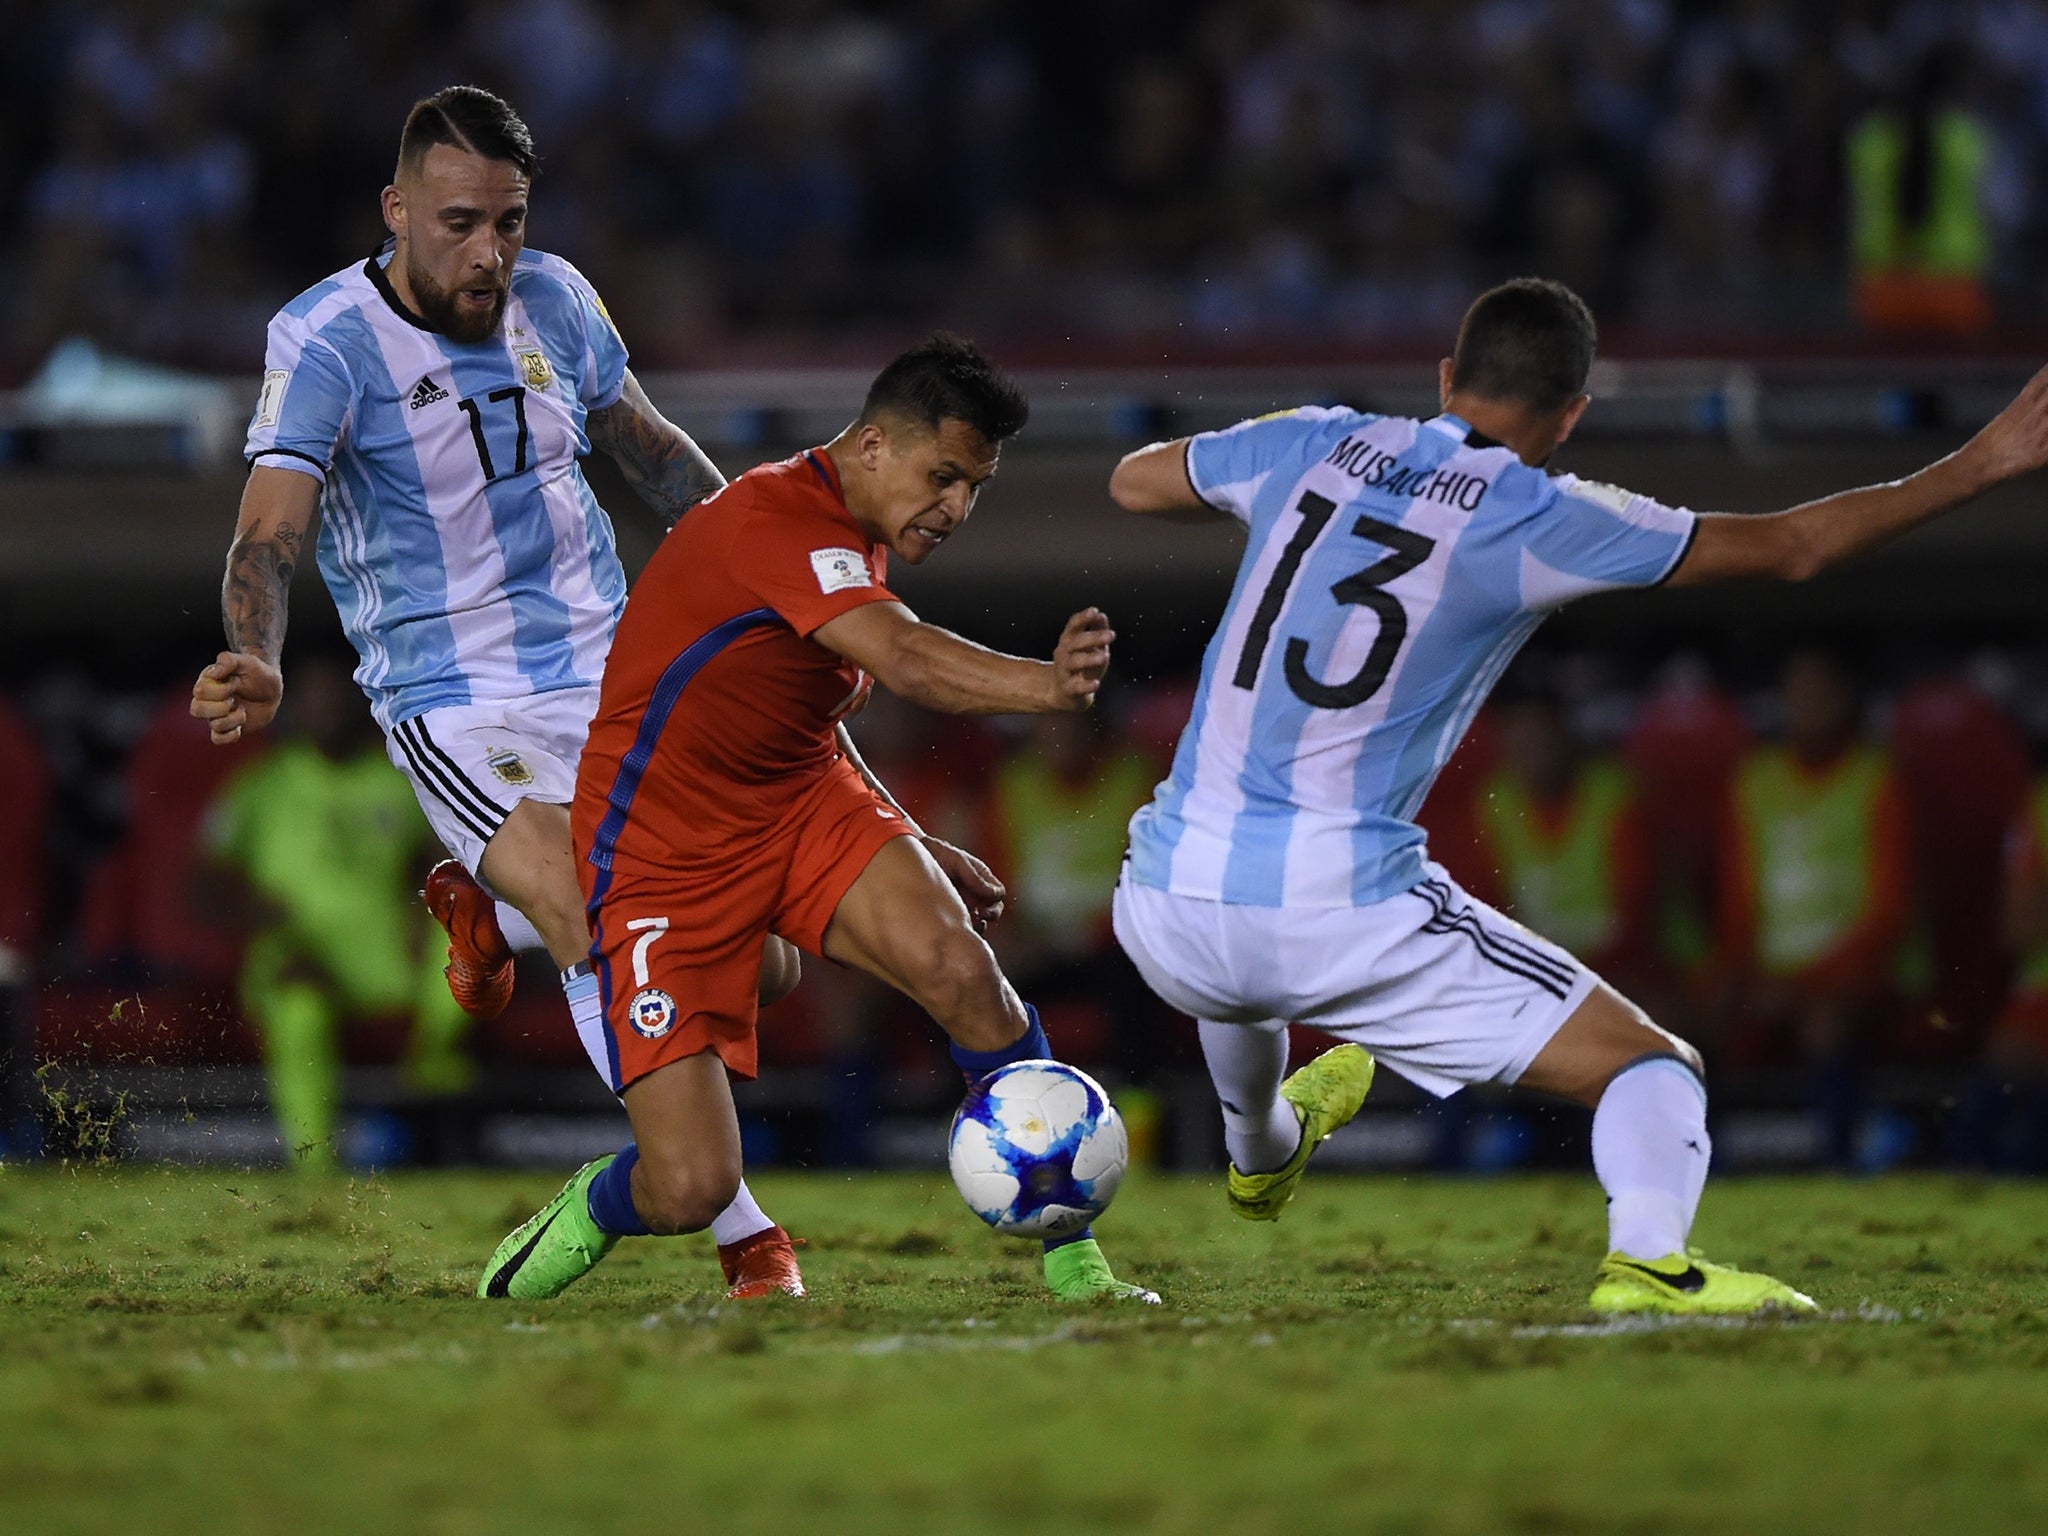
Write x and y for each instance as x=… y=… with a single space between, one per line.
x=1258 y=175
x=1840 y=892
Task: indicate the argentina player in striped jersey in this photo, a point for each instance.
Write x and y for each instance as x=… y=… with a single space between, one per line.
x=428 y=406
x=1392 y=569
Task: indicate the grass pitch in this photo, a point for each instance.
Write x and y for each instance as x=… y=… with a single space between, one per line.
x=244 y=1352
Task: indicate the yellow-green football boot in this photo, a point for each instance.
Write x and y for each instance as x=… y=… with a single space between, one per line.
x=553 y=1250
x=1325 y=1094
x=1685 y=1283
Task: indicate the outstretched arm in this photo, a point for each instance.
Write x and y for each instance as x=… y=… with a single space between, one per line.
x=1805 y=540
x=940 y=670
x=1154 y=481
x=658 y=458
x=243 y=687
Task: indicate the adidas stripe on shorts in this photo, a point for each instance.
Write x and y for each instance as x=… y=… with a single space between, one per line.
x=471 y=763
x=1437 y=985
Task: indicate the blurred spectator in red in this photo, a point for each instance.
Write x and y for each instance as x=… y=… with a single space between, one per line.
x=1962 y=766
x=24 y=819
x=138 y=907
x=1566 y=836
x=1814 y=886
x=1688 y=740
x=2002 y=1119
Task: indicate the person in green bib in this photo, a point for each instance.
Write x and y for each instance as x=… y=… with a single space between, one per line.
x=1566 y=840
x=320 y=845
x=1057 y=816
x=1814 y=897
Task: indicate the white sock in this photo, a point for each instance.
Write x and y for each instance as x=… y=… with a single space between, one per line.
x=586 y=1012
x=519 y=933
x=1246 y=1063
x=743 y=1218
x=1650 y=1150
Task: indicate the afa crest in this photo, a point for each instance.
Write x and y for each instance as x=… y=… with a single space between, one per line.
x=653 y=1013
x=533 y=365
x=510 y=768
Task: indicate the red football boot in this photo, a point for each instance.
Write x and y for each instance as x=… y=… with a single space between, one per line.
x=761 y=1265
x=479 y=967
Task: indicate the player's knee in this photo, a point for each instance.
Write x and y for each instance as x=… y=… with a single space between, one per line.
x=686 y=1197
x=781 y=969
x=958 y=972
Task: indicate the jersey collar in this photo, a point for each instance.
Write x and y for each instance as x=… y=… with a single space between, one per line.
x=822 y=466
x=1459 y=427
x=373 y=269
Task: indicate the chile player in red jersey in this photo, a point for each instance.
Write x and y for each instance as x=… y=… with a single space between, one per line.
x=719 y=802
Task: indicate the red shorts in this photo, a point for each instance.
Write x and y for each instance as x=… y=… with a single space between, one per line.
x=679 y=958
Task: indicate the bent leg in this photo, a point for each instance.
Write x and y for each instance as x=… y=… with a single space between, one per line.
x=686 y=1169
x=1650 y=1144
x=1247 y=1063
x=530 y=863
x=902 y=922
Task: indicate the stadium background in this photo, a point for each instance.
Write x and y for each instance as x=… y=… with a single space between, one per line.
x=1813 y=235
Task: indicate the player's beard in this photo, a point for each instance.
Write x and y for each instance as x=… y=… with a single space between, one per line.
x=438 y=308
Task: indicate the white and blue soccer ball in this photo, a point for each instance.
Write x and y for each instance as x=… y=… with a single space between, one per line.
x=1038 y=1150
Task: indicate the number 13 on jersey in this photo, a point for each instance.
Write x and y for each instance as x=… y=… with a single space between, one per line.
x=1363 y=588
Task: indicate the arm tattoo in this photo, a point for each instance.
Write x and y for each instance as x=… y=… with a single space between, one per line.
x=257 y=592
x=668 y=471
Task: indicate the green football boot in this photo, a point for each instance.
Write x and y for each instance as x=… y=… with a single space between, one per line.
x=1325 y=1094
x=558 y=1247
x=1681 y=1283
x=1079 y=1272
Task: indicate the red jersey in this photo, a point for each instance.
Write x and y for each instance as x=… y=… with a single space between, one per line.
x=718 y=711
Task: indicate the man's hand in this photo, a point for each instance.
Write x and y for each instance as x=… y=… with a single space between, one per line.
x=2015 y=441
x=238 y=692
x=974 y=880
x=1080 y=659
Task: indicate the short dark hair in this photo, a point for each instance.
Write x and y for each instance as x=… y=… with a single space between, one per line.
x=1529 y=341
x=947 y=377
x=470 y=118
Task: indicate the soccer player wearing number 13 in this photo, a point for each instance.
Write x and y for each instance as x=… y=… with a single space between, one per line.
x=1392 y=570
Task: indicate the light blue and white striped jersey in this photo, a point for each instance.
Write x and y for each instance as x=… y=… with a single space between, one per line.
x=1394 y=567
x=463 y=546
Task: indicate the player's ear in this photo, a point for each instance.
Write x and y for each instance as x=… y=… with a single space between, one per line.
x=1570 y=418
x=1443 y=382
x=869 y=442
x=394 y=210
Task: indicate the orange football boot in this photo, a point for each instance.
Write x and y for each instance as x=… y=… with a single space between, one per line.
x=479 y=969
x=761 y=1265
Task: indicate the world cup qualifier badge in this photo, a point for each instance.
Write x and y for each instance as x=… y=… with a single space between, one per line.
x=653 y=1013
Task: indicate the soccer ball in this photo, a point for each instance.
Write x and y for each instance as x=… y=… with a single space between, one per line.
x=1038 y=1150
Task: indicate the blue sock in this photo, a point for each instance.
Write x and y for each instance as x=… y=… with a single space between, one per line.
x=1029 y=1046
x=611 y=1197
x=1081 y=1236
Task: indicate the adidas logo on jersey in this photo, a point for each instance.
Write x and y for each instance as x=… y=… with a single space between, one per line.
x=426 y=392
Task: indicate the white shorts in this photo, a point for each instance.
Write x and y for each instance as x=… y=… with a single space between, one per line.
x=471 y=763
x=1440 y=987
